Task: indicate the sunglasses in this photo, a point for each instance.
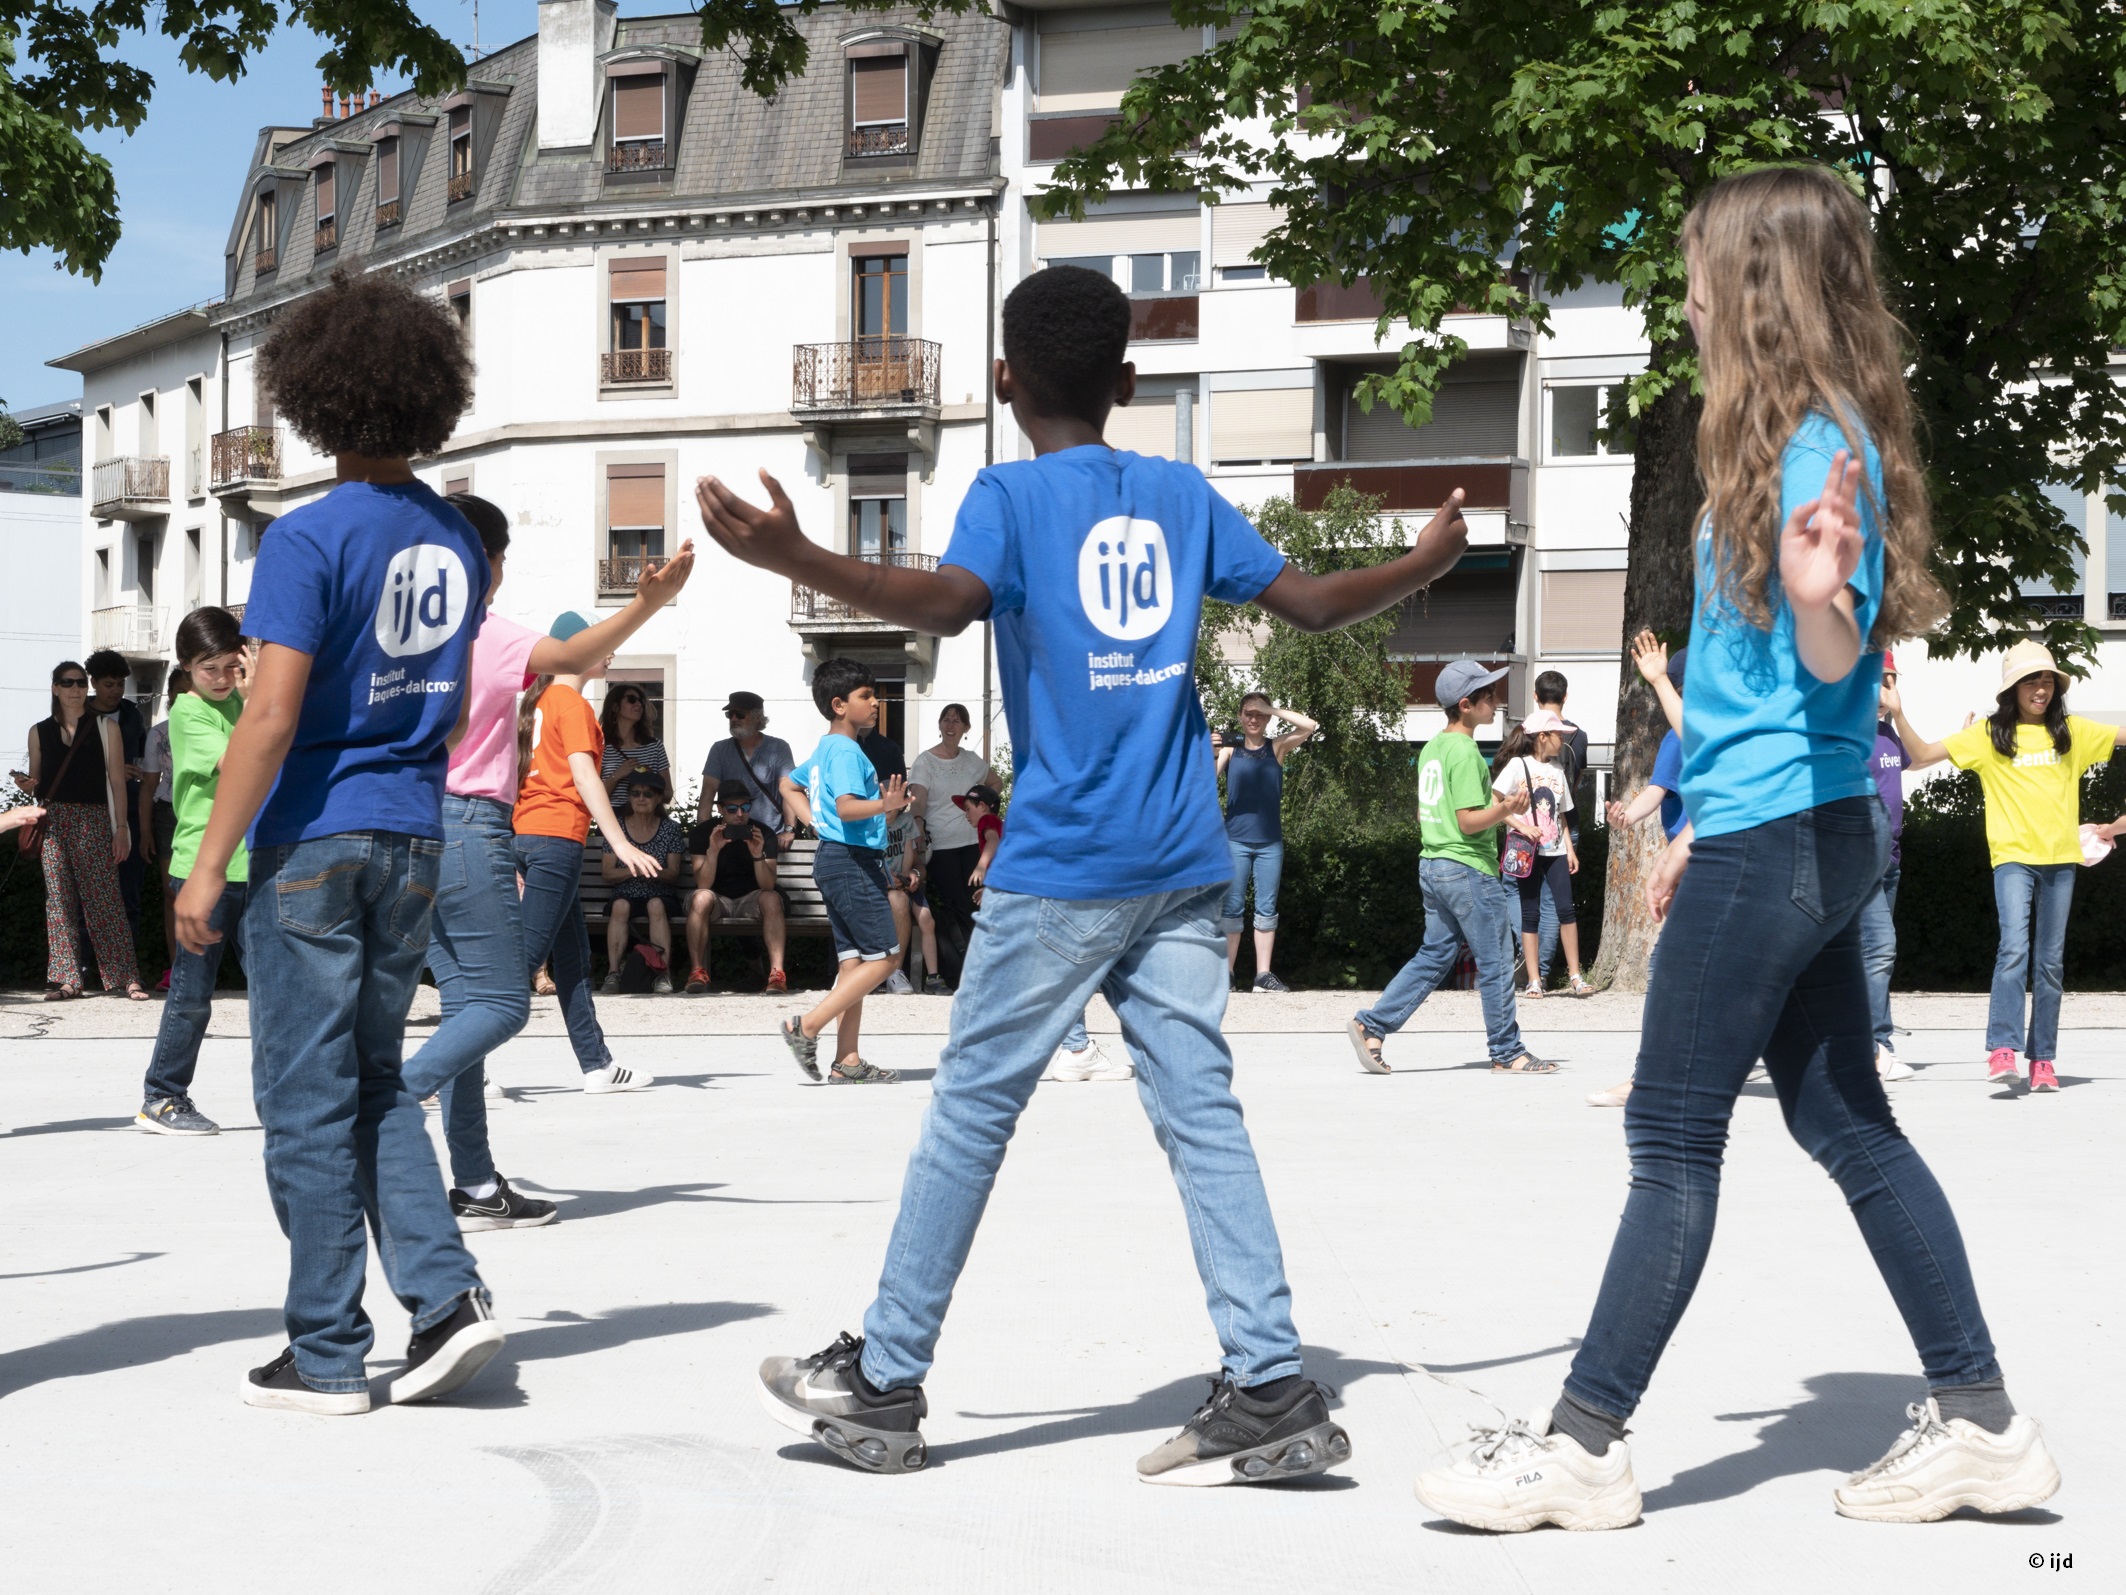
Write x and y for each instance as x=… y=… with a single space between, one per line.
x=72 y=681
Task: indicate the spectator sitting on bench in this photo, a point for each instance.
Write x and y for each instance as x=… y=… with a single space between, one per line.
x=734 y=880
x=654 y=831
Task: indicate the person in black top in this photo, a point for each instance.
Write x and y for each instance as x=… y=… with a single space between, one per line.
x=734 y=879
x=108 y=675
x=1550 y=689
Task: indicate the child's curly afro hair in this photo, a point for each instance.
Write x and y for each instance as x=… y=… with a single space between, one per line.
x=1066 y=334
x=369 y=365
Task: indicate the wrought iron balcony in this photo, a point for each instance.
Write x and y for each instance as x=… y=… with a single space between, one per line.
x=246 y=456
x=635 y=365
x=812 y=611
x=461 y=187
x=866 y=374
x=892 y=140
x=637 y=155
x=387 y=214
x=2054 y=606
x=267 y=259
x=618 y=573
x=328 y=235
x=130 y=489
x=130 y=628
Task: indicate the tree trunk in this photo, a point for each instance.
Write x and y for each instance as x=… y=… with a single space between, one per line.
x=1658 y=586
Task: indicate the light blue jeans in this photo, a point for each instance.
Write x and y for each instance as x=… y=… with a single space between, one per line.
x=1076 y=1039
x=2029 y=896
x=1160 y=960
x=1878 y=952
x=1462 y=905
x=1263 y=863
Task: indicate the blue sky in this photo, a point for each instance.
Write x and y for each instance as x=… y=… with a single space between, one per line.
x=178 y=179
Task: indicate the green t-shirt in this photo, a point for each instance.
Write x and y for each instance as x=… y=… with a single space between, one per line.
x=1451 y=775
x=199 y=732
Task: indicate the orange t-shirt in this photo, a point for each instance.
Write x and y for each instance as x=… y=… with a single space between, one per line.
x=548 y=803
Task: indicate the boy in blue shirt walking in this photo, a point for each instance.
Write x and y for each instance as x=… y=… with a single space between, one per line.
x=1094 y=565
x=366 y=602
x=837 y=793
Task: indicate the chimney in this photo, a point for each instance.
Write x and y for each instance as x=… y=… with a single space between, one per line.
x=344 y=113
x=376 y=98
x=572 y=35
x=328 y=102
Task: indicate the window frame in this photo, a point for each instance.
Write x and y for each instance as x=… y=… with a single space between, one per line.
x=631 y=73
x=1602 y=453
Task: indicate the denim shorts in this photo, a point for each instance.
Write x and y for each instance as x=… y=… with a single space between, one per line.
x=854 y=884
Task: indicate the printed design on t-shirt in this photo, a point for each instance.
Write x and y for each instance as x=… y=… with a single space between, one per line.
x=1125 y=578
x=2024 y=761
x=1431 y=784
x=425 y=600
x=1543 y=810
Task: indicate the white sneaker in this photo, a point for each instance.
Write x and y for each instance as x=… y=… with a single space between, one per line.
x=1609 y=1096
x=1936 y=1467
x=898 y=985
x=1889 y=1068
x=1523 y=1476
x=600 y=1082
x=1091 y=1064
x=491 y=1088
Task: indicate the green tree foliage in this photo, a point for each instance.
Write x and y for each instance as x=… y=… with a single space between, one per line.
x=10 y=428
x=1357 y=769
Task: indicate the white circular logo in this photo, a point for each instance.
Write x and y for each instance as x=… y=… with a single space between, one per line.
x=425 y=599
x=1431 y=782
x=1125 y=580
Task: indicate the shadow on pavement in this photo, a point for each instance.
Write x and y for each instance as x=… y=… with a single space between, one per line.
x=1570 y=1344
x=566 y=1335
x=131 y=1343
x=603 y=1204
x=87 y=1268
x=67 y=1127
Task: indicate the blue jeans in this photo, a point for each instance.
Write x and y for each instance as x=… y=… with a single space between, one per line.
x=1263 y=863
x=553 y=928
x=476 y=948
x=191 y=1002
x=1161 y=961
x=1462 y=904
x=2029 y=896
x=1076 y=1038
x=1878 y=952
x=334 y=935
x=1761 y=958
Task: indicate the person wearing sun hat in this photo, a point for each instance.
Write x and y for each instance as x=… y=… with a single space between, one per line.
x=1530 y=761
x=2029 y=755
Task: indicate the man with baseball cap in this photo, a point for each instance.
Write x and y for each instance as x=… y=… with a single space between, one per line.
x=750 y=764
x=1459 y=820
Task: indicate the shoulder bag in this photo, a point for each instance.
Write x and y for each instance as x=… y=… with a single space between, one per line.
x=1517 y=855
x=31 y=837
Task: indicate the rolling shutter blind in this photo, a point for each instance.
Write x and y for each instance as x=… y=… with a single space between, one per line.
x=387 y=171
x=878 y=89
x=638 y=107
x=1087 y=71
x=1145 y=426
x=1477 y=413
x=1583 y=611
x=638 y=279
x=634 y=496
x=1262 y=424
x=1237 y=229
x=1152 y=232
x=325 y=186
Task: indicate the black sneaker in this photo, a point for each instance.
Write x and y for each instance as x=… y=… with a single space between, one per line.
x=1267 y=981
x=174 y=1116
x=503 y=1210
x=826 y=1397
x=279 y=1385
x=934 y=986
x=1238 y=1438
x=440 y=1359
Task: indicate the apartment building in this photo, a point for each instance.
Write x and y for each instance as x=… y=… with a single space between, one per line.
x=40 y=603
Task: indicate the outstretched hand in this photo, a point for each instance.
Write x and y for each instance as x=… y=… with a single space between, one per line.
x=1819 y=549
x=1650 y=654
x=661 y=580
x=764 y=537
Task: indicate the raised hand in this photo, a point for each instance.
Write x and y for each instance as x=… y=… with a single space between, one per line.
x=1446 y=534
x=1819 y=548
x=893 y=796
x=1650 y=654
x=660 y=582
x=765 y=537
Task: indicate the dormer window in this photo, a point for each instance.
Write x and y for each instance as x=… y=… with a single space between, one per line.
x=883 y=95
x=639 y=119
x=324 y=182
x=387 y=183
x=267 y=236
x=461 y=175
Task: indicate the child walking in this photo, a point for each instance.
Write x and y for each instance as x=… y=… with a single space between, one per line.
x=1811 y=554
x=209 y=643
x=1458 y=822
x=2030 y=754
x=366 y=602
x=1529 y=761
x=838 y=793
x=1094 y=565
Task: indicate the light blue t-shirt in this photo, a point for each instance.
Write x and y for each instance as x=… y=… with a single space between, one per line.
x=1097 y=563
x=1762 y=738
x=384 y=587
x=836 y=768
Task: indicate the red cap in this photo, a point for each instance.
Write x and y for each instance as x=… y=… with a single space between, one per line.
x=1889 y=663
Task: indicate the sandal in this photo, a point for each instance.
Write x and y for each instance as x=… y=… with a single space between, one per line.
x=62 y=993
x=1367 y=1046
x=1533 y=990
x=1526 y=1063
x=136 y=992
x=854 y=1071
x=1578 y=987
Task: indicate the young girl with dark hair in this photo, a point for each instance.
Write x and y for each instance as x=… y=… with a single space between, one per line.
x=1528 y=761
x=1811 y=557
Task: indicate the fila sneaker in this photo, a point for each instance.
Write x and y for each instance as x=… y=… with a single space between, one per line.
x=1936 y=1467
x=1523 y=1476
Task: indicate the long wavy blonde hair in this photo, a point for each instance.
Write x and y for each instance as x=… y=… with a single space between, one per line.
x=1783 y=260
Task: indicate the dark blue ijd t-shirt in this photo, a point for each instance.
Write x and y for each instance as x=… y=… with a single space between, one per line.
x=1097 y=564
x=384 y=587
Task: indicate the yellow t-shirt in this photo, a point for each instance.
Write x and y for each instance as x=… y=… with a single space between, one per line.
x=2033 y=801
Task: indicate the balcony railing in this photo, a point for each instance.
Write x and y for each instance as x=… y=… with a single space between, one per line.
x=53 y=477
x=130 y=484
x=815 y=611
x=267 y=259
x=618 y=573
x=637 y=155
x=1168 y=318
x=236 y=612
x=245 y=455
x=130 y=628
x=879 y=140
x=328 y=235
x=461 y=187
x=635 y=365
x=865 y=374
x=387 y=214
x=2054 y=606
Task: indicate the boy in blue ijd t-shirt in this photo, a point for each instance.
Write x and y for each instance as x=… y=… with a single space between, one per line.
x=837 y=793
x=1094 y=565
x=366 y=602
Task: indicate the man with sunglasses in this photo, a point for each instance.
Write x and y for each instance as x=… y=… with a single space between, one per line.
x=750 y=764
x=734 y=880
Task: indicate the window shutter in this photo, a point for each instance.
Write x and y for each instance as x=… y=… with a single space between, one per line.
x=1237 y=229
x=638 y=279
x=387 y=171
x=461 y=120
x=1087 y=71
x=878 y=89
x=638 y=107
x=323 y=178
x=1583 y=611
x=1262 y=424
x=878 y=476
x=634 y=496
x=1150 y=232
x=457 y=484
x=1146 y=426
x=1476 y=415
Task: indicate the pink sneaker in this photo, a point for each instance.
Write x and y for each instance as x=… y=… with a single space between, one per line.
x=2000 y=1064
x=2042 y=1077
x=164 y=983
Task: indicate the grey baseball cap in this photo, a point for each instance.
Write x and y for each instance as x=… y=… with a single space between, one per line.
x=1463 y=677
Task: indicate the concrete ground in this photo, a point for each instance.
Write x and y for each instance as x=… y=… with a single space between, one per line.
x=1444 y=1230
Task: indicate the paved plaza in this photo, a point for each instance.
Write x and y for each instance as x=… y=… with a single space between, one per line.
x=1444 y=1231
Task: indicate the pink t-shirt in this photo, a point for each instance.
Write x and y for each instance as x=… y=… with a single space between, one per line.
x=485 y=764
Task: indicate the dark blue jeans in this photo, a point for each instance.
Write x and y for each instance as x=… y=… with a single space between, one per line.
x=553 y=928
x=2030 y=898
x=476 y=948
x=191 y=1001
x=334 y=935
x=1761 y=958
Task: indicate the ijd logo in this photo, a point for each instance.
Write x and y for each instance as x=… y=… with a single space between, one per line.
x=1125 y=580
x=425 y=598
